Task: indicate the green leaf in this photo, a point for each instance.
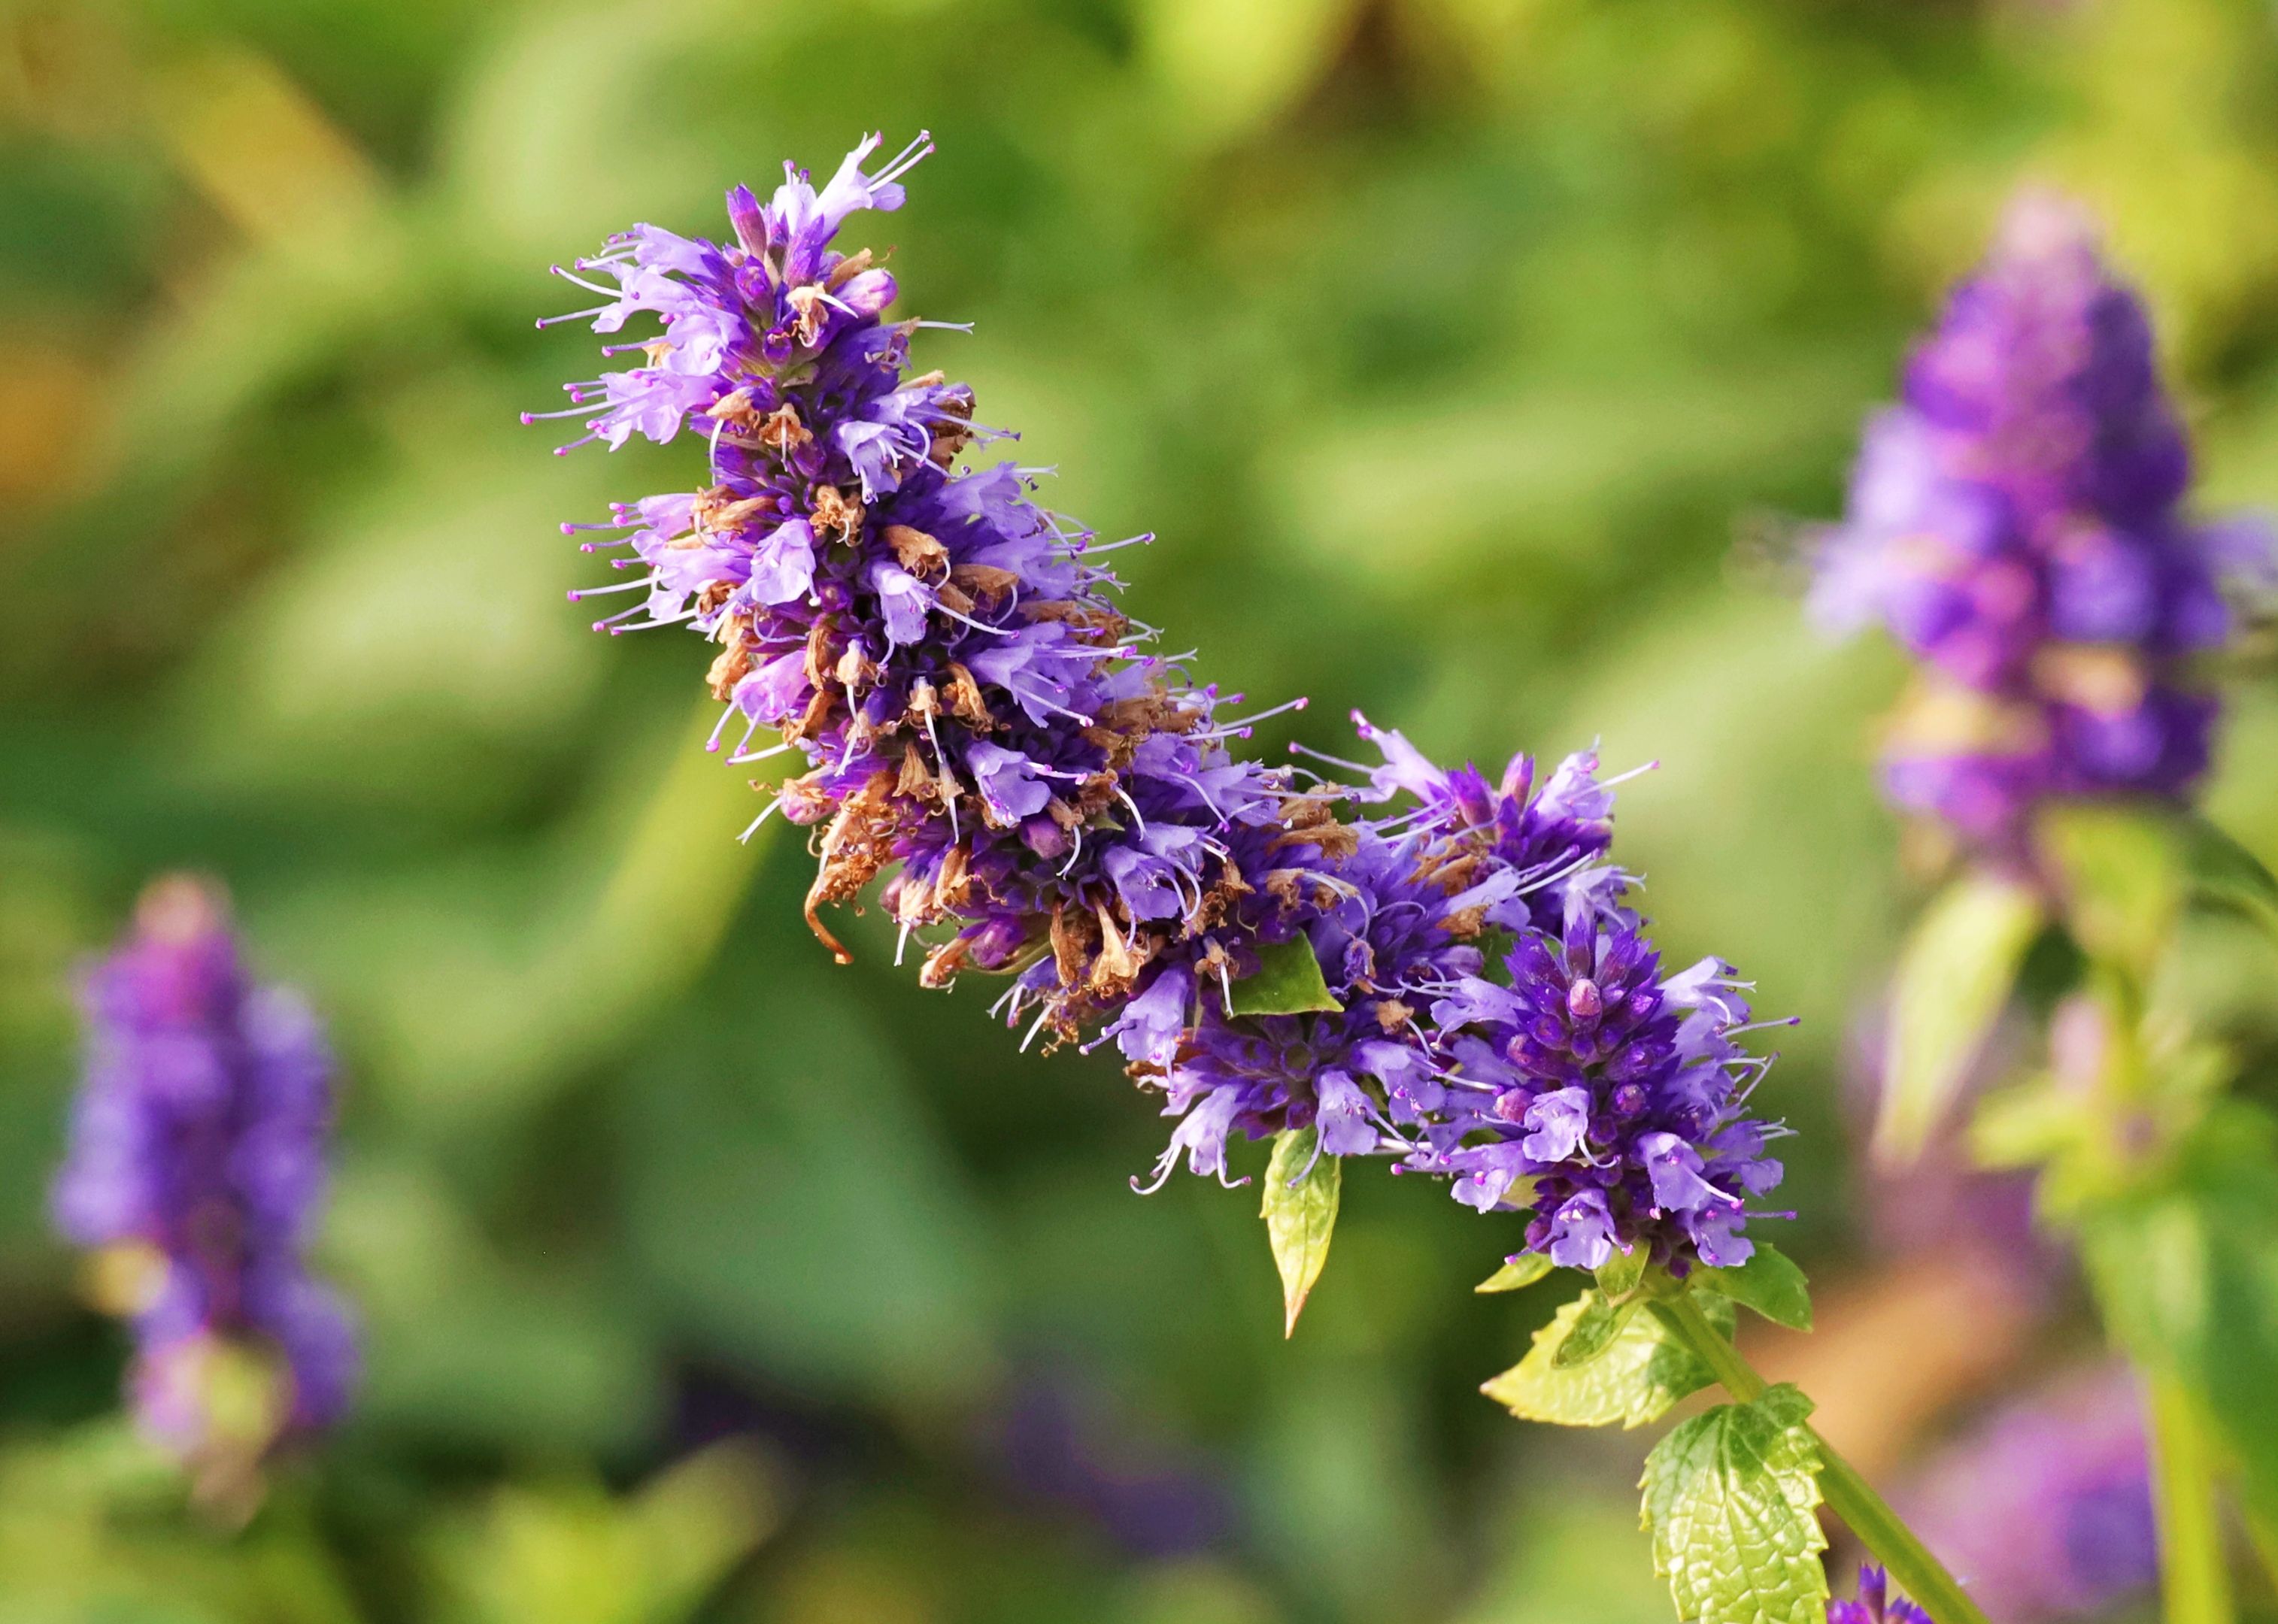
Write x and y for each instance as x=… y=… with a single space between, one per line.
x=1288 y=982
x=1594 y=1330
x=1302 y=1189
x=1619 y=1274
x=2124 y=878
x=2227 y=875
x=1953 y=981
x=1632 y=1383
x=1768 y=1282
x=1729 y=1500
x=2186 y=1272
x=1523 y=1270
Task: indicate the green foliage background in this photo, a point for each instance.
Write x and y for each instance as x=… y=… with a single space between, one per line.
x=1479 y=363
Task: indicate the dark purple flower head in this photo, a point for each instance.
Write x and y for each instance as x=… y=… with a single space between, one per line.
x=1876 y=1604
x=196 y=1170
x=2045 y=1511
x=2015 y=523
x=1043 y=797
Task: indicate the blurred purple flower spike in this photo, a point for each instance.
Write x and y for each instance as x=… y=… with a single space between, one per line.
x=196 y=1170
x=2016 y=522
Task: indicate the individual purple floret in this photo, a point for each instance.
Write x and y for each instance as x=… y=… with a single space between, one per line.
x=2016 y=521
x=1876 y=1604
x=196 y=1167
x=2044 y=1512
x=1048 y=800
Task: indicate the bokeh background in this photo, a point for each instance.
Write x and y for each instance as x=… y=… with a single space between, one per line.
x=1479 y=361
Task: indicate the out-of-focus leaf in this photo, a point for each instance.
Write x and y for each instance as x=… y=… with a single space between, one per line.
x=1233 y=63
x=1523 y=1270
x=790 y=1205
x=1303 y=1186
x=568 y=1552
x=1644 y=1371
x=1730 y=1499
x=2186 y=1270
x=1953 y=981
x=2124 y=878
x=1287 y=981
x=1768 y=1282
x=2229 y=875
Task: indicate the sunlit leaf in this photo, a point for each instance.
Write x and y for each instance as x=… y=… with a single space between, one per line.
x=1520 y=1271
x=1953 y=981
x=1729 y=1498
x=1621 y=1271
x=1300 y=1209
x=1634 y=1381
x=1594 y=1330
x=1768 y=1282
x=1287 y=981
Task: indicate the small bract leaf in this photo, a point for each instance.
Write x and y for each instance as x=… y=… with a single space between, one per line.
x=1953 y=980
x=1593 y=1332
x=1768 y=1282
x=1632 y=1383
x=1523 y=1270
x=1729 y=1500
x=1302 y=1189
x=1619 y=1274
x=1288 y=982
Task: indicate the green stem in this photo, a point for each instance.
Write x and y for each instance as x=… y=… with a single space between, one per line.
x=1865 y=1513
x=2193 y=1575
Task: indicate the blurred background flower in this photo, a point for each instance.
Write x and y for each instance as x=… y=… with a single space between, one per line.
x=1478 y=360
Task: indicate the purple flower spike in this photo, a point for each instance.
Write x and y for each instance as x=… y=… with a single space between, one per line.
x=2015 y=523
x=981 y=726
x=196 y=1170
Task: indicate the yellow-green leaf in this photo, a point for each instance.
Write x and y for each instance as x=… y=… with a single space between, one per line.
x=1302 y=1189
x=1768 y=1282
x=1594 y=1330
x=1523 y=1270
x=1953 y=981
x=1634 y=1382
x=1288 y=982
x=1621 y=1272
x=1729 y=1498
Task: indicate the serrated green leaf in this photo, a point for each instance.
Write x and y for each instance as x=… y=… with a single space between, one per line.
x=1729 y=1500
x=2227 y=874
x=1288 y=982
x=1632 y=1383
x=2124 y=878
x=1620 y=1273
x=1768 y=1282
x=1300 y=1209
x=1518 y=1272
x=1594 y=1330
x=1953 y=980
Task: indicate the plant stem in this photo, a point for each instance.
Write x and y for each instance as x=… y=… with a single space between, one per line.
x=2194 y=1575
x=1865 y=1513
